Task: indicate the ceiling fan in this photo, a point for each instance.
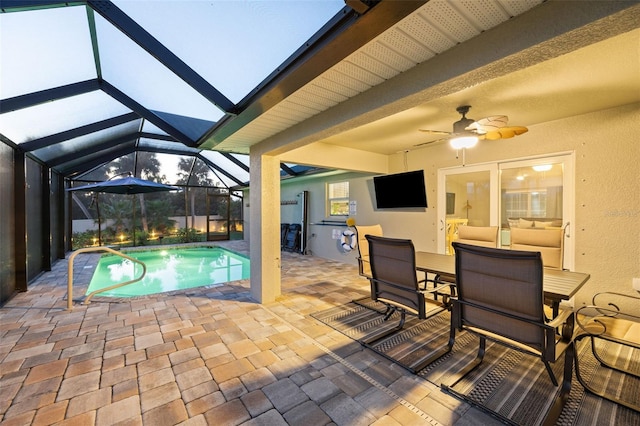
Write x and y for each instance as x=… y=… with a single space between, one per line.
x=467 y=132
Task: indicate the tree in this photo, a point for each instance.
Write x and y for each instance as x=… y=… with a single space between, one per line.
x=119 y=211
x=143 y=165
x=159 y=211
x=193 y=172
x=84 y=203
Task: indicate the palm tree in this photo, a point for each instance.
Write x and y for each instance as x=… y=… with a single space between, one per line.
x=159 y=211
x=118 y=210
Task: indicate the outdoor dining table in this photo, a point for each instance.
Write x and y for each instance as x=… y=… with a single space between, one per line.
x=557 y=284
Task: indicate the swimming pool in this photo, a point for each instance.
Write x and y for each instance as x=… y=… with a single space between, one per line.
x=168 y=270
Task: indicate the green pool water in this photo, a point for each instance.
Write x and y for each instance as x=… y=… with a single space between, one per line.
x=168 y=270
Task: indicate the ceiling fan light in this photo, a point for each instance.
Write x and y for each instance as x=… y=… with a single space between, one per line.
x=463 y=142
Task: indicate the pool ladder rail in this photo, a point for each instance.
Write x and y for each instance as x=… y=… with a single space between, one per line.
x=95 y=249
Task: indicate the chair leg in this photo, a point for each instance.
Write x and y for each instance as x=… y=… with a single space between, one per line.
x=550 y=371
x=604 y=363
x=386 y=333
x=424 y=282
x=469 y=367
x=448 y=388
x=389 y=312
x=600 y=393
x=565 y=389
x=439 y=353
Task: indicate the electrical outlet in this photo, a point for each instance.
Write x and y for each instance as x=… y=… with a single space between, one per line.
x=636 y=284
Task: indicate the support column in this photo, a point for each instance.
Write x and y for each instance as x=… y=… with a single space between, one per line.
x=20 y=220
x=264 y=232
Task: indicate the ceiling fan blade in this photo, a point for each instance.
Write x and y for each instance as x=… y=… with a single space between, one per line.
x=492 y=127
x=506 y=132
x=432 y=142
x=434 y=132
x=488 y=124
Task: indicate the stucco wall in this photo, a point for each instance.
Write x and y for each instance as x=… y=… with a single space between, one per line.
x=607 y=194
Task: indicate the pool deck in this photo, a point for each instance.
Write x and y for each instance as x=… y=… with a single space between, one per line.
x=205 y=356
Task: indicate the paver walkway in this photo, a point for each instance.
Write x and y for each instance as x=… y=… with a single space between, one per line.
x=207 y=356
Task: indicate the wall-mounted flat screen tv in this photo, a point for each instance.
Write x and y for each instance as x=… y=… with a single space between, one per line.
x=400 y=190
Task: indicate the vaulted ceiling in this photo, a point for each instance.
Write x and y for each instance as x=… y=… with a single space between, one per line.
x=373 y=75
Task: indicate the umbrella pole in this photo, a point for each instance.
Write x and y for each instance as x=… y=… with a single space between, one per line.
x=133 y=203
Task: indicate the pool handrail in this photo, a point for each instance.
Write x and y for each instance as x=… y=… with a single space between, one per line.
x=94 y=249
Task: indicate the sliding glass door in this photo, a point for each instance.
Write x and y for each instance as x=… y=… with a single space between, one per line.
x=468 y=192
x=536 y=193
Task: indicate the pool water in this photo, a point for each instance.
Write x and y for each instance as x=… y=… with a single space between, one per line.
x=168 y=270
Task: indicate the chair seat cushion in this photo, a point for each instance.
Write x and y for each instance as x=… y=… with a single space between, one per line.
x=622 y=330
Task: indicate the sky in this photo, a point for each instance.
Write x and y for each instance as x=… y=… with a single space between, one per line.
x=234 y=45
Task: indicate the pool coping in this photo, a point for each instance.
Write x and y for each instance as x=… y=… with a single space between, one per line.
x=239 y=288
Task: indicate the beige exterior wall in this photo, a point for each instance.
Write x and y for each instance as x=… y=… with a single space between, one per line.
x=607 y=194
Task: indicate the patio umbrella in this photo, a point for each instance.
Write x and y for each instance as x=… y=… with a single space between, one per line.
x=127 y=185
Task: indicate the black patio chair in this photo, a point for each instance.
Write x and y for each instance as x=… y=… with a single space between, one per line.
x=284 y=228
x=500 y=297
x=292 y=237
x=394 y=283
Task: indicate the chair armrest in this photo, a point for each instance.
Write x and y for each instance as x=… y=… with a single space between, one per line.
x=606 y=309
x=437 y=288
x=561 y=318
x=609 y=321
x=446 y=290
x=596 y=301
x=566 y=320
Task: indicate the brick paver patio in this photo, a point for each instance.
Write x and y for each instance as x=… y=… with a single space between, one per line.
x=206 y=356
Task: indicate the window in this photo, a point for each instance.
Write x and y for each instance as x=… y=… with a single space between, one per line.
x=496 y=194
x=528 y=191
x=338 y=199
x=525 y=203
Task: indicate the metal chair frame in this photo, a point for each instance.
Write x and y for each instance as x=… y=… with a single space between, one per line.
x=606 y=325
x=477 y=265
x=394 y=283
